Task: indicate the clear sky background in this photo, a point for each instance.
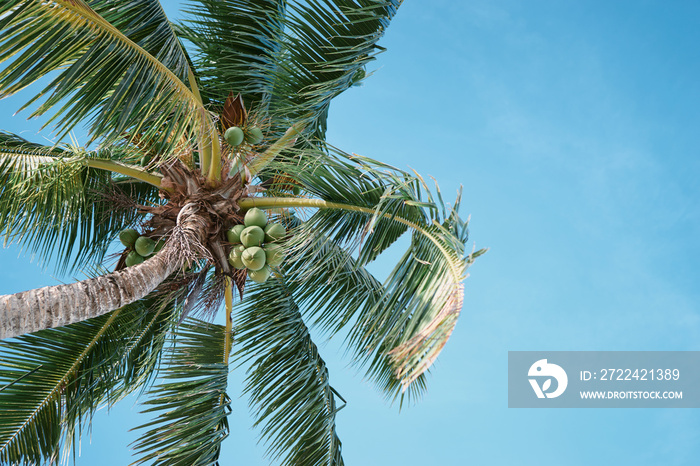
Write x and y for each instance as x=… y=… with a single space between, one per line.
x=574 y=128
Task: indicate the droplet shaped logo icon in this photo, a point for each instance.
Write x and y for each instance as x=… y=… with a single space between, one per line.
x=542 y=369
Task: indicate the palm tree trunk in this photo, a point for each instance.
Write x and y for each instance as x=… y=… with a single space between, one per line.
x=59 y=305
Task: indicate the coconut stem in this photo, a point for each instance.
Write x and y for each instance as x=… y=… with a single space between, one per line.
x=228 y=298
x=124 y=169
x=228 y=340
x=209 y=148
x=205 y=154
x=59 y=305
x=287 y=140
x=193 y=85
x=215 y=164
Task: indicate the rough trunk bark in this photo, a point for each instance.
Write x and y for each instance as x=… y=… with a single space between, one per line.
x=55 y=306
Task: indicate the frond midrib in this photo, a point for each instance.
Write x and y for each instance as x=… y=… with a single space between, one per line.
x=103 y=25
x=190 y=72
x=272 y=202
x=68 y=372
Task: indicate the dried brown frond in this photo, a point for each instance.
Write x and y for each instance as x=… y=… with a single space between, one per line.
x=234 y=112
x=413 y=357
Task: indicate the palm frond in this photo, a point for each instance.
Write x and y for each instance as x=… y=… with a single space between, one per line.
x=287 y=383
x=235 y=46
x=288 y=58
x=190 y=400
x=361 y=182
x=328 y=43
x=55 y=205
x=121 y=67
x=55 y=379
x=336 y=290
x=400 y=329
x=328 y=279
x=141 y=356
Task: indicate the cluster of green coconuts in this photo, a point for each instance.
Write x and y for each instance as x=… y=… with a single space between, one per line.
x=235 y=136
x=255 y=245
x=142 y=247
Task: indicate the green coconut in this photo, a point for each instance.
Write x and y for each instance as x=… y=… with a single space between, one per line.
x=145 y=246
x=274 y=254
x=255 y=218
x=133 y=258
x=234 y=136
x=254 y=135
x=233 y=235
x=274 y=232
x=259 y=276
x=128 y=237
x=253 y=258
x=252 y=236
x=235 y=257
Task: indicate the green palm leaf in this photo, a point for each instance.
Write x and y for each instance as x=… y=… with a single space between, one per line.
x=400 y=330
x=55 y=379
x=190 y=400
x=328 y=43
x=287 y=382
x=236 y=43
x=335 y=285
x=67 y=209
x=291 y=58
x=358 y=181
x=335 y=289
x=122 y=69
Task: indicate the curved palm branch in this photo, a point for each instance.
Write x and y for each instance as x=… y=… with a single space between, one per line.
x=328 y=42
x=287 y=384
x=289 y=57
x=235 y=46
x=368 y=205
x=332 y=284
x=191 y=399
x=67 y=205
x=69 y=372
x=122 y=69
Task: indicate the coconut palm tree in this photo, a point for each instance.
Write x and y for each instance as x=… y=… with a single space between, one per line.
x=156 y=99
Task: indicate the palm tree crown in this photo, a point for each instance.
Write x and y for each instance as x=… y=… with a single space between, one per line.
x=164 y=173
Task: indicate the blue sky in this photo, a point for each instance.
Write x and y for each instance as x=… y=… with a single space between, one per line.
x=573 y=127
